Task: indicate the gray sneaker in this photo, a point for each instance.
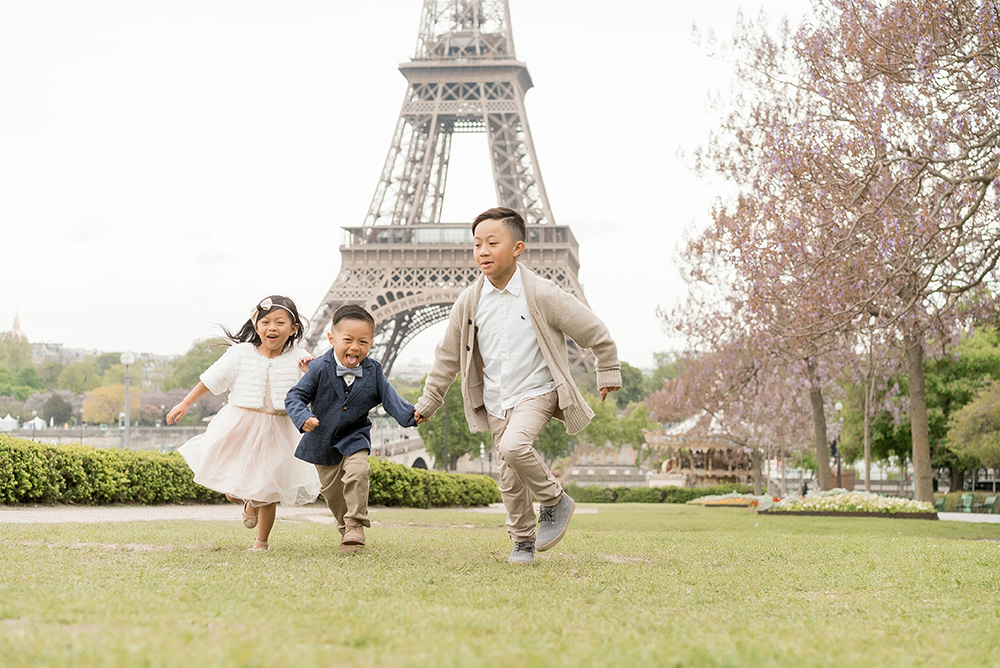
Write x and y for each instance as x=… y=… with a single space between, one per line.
x=524 y=554
x=552 y=522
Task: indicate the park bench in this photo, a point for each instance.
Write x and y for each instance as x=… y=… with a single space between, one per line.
x=986 y=506
x=967 y=503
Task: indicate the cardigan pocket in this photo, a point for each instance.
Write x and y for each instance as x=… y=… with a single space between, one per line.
x=565 y=395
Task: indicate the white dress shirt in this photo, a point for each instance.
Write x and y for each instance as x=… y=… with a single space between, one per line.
x=513 y=366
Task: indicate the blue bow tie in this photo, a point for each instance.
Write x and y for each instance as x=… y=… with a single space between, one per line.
x=352 y=371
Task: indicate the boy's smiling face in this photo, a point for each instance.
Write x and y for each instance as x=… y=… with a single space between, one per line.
x=351 y=340
x=496 y=251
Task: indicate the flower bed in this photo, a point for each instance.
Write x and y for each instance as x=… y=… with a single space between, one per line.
x=734 y=500
x=853 y=504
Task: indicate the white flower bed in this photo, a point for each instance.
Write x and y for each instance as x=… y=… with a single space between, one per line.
x=844 y=501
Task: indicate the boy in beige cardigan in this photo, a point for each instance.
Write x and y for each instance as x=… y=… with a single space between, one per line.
x=507 y=336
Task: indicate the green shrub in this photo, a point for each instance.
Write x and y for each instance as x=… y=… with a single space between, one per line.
x=953 y=500
x=80 y=474
x=589 y=493
x=639 y=495
x=595 y=494
x=393 y=484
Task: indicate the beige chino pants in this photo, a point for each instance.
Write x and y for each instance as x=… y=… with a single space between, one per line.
x=345 y=489
x=523 y=472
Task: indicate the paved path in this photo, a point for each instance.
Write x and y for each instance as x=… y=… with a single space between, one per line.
x=317 y=512
x=961 y=517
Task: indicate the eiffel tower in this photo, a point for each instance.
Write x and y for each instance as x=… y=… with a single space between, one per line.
x=404 y=264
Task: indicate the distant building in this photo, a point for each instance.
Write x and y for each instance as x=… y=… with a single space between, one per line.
x=16 y=332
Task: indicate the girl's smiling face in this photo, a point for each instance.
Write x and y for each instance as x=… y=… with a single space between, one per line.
x=351 y=340
x=274 y=328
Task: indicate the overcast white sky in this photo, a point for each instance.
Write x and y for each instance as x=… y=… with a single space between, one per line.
x=165 y=165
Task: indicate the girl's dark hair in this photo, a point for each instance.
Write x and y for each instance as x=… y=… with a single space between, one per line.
x=353 y=312
x=248 y=332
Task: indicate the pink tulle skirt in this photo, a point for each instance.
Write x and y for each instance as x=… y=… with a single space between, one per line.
x=251 y=455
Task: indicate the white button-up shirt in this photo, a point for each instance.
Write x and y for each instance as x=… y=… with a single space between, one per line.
x=513 y=366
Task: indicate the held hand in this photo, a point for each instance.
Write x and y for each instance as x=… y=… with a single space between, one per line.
x=310 y=424
x=605 y=390
x=176 y=413
x=304 y=363
x=418 y=418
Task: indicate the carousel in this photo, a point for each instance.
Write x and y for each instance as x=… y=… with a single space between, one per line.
x=698 y=451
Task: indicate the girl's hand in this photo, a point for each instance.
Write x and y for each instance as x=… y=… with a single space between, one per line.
x=605 y=390
x=176 y=413
x=310 y=424
x=304 y=363
x=418 y=418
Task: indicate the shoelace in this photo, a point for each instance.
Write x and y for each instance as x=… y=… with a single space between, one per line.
x=523 y=547
x=547 y=514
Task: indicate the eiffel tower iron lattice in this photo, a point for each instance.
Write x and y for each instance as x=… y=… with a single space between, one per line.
x=404 y=264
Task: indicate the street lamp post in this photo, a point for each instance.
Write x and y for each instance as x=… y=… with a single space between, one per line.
x=127 y=359
x=836 y=450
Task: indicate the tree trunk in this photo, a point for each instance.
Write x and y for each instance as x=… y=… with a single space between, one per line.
x=956 y=478
x=755 y=462
x=923 y=485
x=869 y=392
x=819 y=426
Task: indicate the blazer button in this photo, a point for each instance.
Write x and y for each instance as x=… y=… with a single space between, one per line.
x=345 y=407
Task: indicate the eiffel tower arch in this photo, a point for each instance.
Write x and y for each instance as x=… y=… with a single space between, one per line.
x=404 y=263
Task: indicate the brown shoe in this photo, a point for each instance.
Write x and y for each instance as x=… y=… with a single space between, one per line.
x=354 y=534
x=347 y=549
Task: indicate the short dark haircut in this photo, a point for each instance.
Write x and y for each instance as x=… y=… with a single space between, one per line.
x=353 y=312
x=511 y=220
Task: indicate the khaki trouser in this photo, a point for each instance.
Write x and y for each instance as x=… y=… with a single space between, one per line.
x=523 y=472
x=345 y=488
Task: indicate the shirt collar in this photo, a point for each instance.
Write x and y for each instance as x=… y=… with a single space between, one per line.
x=514 y=285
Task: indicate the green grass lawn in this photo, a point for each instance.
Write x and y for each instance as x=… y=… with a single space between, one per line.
x=632 y=585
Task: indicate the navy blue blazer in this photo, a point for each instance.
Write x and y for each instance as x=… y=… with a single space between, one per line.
x=344 y=427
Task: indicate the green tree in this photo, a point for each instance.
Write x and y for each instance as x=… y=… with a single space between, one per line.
x=604 y=428
x=80 y=377
x=633 y=386
x=554 y=442
x=29 y=377
x=974 y=430
x=951 y=382
x=58 y=409
x=49 y=373
x=186 y=370
x=15 y=353
x=665 y=367
x=446 y=434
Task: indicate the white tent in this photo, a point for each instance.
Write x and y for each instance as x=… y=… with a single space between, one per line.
x=8 y=423
x=35 y=423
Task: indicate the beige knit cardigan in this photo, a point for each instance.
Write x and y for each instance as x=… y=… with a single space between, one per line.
x=555 y=315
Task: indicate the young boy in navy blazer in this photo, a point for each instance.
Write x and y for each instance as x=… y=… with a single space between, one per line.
x=330 y=405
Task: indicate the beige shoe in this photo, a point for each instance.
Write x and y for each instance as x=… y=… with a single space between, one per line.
x=259 y=546
x=249 y=521
x=354 y=534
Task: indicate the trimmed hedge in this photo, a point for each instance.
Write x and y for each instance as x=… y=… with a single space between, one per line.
x=594 y=494
x=393 y=484
x=953 y=501
x=81 y=474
